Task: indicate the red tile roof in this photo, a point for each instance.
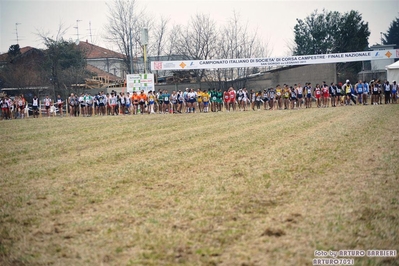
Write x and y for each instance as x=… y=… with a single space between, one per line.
x=96 y=52
x=92 y=52
x=4 y=57
x=25 y=49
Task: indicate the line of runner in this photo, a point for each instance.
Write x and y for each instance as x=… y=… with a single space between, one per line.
x=204 y=101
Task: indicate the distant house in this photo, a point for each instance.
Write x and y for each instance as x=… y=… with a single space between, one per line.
x=24 y=69
x=102 y=61
x=375 y=69
x=382 y=63
x=24 y=52
x=106 y=60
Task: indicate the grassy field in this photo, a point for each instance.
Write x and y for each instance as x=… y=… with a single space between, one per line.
x=243 y=188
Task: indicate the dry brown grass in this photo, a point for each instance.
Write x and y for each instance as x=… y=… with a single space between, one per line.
x=244 y=188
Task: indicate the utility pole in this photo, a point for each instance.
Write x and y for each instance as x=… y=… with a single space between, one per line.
x=131 y=51
x=144 y=41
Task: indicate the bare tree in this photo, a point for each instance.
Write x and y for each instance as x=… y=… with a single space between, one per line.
x=172 y=42
x=125 y=22
x=158 y=46
x=158 y=36
x=236 y=42
x=197 y=41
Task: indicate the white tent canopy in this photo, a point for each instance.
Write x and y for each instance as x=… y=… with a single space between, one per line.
x=393 y=72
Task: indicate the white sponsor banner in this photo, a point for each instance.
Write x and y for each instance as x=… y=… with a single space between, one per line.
x=275 y=61
x=138 y=82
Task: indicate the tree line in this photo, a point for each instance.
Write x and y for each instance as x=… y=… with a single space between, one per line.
x=199 y=39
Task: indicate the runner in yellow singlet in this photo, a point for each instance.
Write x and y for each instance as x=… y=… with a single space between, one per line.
x=205 y=101
x=199 y=100
x=286 y=96
x=279 y=92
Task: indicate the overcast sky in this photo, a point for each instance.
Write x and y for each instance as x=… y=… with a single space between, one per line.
x=274 y=20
